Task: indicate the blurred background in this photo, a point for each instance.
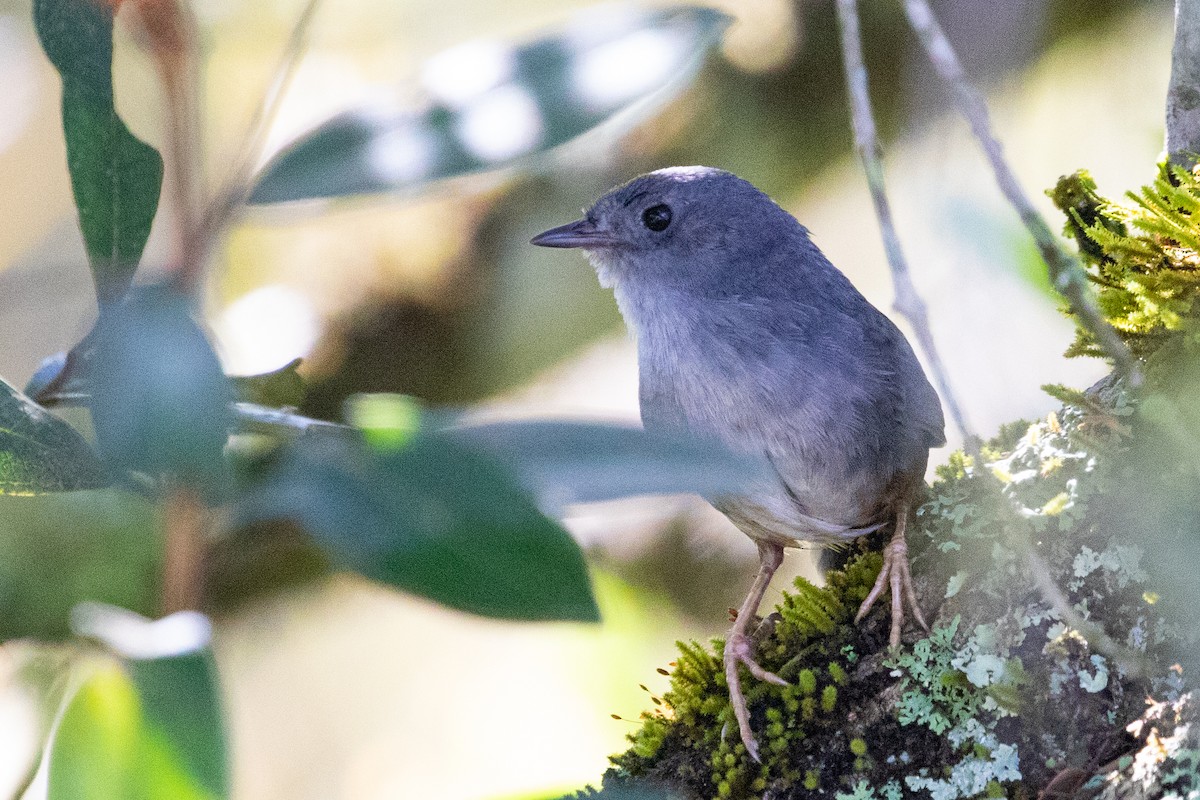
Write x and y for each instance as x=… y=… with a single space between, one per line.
x=348 y=690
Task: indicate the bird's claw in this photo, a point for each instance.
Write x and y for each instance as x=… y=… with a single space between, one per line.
x=895 y=574
x=738 y=651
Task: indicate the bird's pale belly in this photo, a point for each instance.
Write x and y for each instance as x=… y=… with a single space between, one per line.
x=824 y=513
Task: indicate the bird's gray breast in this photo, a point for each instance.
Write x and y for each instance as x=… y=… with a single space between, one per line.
x=787 y=380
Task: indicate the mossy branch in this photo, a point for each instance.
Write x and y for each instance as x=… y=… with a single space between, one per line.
x=1047 y=558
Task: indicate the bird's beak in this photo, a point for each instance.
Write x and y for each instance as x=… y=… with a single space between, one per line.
x=581 y=233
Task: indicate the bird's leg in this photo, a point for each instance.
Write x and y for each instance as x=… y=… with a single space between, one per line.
x=895 y=573
x=738 y=647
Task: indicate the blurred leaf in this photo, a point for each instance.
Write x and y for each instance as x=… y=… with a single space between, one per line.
x=258 y=560
x=432 y=518
x=579 y=462
x=116 y=177
x=282 y=388
x=387 y=421
x=160 y=401
x=40 y=453
x=153 y=730
x=492 y=103
x=58 y=550
x=175 y=678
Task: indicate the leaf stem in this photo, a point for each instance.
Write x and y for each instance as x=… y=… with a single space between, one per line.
x=170 y=30
x=272 y=419
x=186 y=550
x=238 y=184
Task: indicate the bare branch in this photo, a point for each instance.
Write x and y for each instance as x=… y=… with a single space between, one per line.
x=237 y=185
x=908 y=301
x=1183 y=92
x=1066 y=273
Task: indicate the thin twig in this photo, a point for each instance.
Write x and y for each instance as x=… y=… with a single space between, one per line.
x=238 y=184
x=908 y=301
x=1066 y=273
x=185 y=550
x=171 y=33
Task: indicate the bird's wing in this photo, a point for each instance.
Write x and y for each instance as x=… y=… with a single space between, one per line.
x=872 y=418
x=922 y=409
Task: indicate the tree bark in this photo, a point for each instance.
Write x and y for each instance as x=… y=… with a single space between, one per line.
x=1183 y=92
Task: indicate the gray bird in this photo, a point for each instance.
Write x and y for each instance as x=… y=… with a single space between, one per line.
x=746 y=334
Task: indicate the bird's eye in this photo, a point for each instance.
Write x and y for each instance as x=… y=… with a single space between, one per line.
x=657 y=218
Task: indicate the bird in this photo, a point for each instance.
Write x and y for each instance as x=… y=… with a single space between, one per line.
x=747 y=335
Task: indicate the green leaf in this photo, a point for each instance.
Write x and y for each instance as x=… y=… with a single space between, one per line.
x=115 y=176
x=433 y=518
x=281 y=388
x=578 y=462
x=58 y=550
x=159 y=400
x=151 y=730
x=175 y=677
x=492 y=104
x=40 y=453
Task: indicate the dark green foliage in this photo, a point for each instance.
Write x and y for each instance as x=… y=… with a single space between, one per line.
x=582 y=462
x=40 y=453
x=115 y=176
x=181 y=702
x=431 y=517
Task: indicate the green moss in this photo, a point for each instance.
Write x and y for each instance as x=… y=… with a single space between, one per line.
x=1142 y=257
x=828 y=699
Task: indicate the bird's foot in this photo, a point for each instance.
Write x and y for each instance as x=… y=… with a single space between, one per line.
x=738 y=651
x=895 y=574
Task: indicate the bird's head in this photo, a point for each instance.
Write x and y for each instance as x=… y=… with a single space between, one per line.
x=690 y=227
